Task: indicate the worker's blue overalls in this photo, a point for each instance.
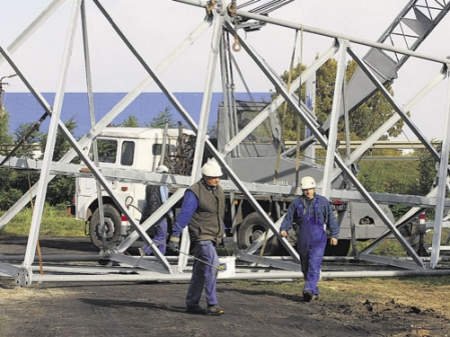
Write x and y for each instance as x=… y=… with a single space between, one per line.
x=313 y=217
x=155 y=197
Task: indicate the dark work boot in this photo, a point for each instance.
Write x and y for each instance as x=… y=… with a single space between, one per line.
x=195 y=309
x=307 y=296
x=215 y=310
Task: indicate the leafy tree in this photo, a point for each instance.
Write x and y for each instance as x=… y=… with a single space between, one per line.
x=13 y=184
x=365 y=119
x=390 y=176
x=5 y=138
x=325 y=79
x=289 y=119
x=370 y=115
x=9 y=191
x=428 y=169
x=131 y=122
x=29 y=137
x=62 y=145
x=62 y=188
x=160 y=120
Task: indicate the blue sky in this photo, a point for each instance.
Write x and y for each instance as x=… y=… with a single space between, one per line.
x=23 y=107
x=155 y=27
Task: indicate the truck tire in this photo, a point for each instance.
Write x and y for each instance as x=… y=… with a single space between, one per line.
x=251 y=229
x=112 y=227
x=254 y=226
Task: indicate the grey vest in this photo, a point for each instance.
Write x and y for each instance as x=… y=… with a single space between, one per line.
x=207 y=221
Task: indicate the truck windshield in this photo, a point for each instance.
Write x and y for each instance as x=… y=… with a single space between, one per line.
x=107 y=150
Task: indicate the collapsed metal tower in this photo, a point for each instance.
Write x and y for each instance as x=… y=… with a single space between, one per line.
x=379 y=66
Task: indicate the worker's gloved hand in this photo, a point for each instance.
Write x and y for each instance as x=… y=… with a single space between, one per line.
x=284 y=234
x=333 y=241
x=174 y=243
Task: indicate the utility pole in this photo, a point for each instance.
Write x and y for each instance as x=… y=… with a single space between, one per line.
x=2 y=90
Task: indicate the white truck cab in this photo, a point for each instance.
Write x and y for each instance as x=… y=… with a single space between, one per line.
x=121 y=148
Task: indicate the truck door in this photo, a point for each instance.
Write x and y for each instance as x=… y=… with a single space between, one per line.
x=128 y=189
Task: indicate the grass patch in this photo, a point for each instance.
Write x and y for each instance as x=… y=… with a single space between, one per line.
x=422 y=292
x=388 y=247
x=392 y=247
x=55 y=222
x=429 y=292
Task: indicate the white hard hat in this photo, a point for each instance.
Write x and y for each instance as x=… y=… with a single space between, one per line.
x=162 y=169
x=211 y=168
x=307 y=183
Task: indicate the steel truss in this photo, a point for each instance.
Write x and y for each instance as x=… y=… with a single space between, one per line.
x=224 y=22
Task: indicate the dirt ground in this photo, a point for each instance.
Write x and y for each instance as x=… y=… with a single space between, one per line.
x=252 y=309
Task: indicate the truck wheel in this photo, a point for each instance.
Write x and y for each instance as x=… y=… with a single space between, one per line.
x=252 y=228
x=341 y=249
x=111 y=228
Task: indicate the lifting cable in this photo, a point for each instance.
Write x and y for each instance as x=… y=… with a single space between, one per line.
x=238 y=69
x=280 y=145
x=354 y=250
x=230 y=89
x=300 y=61
x=250 y=2
x=284 y=108
x=270 y=6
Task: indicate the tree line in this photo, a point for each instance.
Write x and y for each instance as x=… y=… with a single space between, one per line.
x=400 y=177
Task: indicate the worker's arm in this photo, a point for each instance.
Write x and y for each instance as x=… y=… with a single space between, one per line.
x=287 y=221
x=333 y=225
x=188 y=208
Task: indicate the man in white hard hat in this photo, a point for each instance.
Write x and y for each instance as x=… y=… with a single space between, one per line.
x=203 y=210
x=313 y=214
x=155 y=196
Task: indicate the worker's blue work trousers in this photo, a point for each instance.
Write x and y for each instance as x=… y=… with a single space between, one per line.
x=311 y=242
x=204 y=274
x=159 y=238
